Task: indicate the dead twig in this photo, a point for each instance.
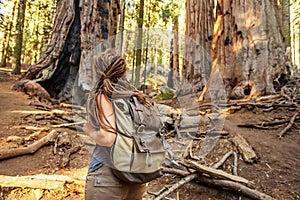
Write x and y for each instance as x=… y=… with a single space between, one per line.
x=33 y=128
x=65 y=105
x=223 y=160
x=189 y=151
x=183 y=181
x=52 y=126
x=281 y=134
x=235 y=160
x=67 y=124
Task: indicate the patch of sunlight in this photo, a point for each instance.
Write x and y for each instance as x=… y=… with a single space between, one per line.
x=10 y=70
x=40 y=112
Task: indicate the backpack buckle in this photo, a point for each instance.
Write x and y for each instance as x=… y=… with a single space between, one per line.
x=141 y=128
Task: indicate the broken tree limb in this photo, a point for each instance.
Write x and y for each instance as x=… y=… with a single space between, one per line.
x=187 y=150
x=244 y=148
x=235 y=187
x=67 y=124
x=33 y=128
x=268 y=123
x=52 y=126
x=224 y=184
x=30 y=149
x=215 y=173
x=235 y=160
x=52 y=112
x=47 y=182
x=281 y=134
x=65 y=105
x=223 y=160
x=177 y=185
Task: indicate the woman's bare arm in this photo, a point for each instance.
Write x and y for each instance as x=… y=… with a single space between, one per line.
x=103 y=137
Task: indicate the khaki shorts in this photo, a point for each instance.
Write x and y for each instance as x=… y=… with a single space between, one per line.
x=103 y=185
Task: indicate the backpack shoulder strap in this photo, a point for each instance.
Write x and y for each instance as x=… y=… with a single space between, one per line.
x=138 y=111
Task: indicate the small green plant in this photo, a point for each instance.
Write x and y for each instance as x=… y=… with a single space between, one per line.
x=165 y=95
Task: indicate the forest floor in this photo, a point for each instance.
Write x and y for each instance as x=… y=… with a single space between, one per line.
x=276 y=172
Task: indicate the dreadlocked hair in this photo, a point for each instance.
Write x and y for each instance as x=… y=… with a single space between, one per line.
x=111 y=70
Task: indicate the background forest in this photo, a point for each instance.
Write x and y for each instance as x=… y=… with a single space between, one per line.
x=225 y=74
x=27 y=26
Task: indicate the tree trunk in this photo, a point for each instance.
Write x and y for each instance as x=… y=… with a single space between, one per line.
x=199 y=33
x=285 y=28
x=170 y=82
x=174 y=77
x=78 y=29
x=247 y=47
x=19 y=37
x=7 y=37
x=122 y=23
x=139 y=46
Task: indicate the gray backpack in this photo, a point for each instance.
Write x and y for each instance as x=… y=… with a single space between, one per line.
x=140 y=148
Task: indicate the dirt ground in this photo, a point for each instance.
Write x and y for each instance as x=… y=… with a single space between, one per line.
x=276 y=172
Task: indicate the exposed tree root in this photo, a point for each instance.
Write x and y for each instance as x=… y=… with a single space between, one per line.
x=30 y=149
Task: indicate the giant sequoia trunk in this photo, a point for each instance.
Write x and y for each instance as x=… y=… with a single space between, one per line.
x=79 y=27
x=199 y=33
x=245 y=44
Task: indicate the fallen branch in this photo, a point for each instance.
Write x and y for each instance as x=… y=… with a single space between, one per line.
x=67 y=124
x=281 y=134
x=215 y=173
x=65 y=105
x=224 y=184
x=33 y=128
x=30 y=149
x=52 y=112
x=244 y=148
x=187 y=150
x=47 y=182
x=264 y=124
x=177 y=185
x=223 y=160
x=235 y=187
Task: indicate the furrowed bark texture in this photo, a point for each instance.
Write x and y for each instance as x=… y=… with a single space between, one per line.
x=247 y=47
x=79 y=28
x=198 y=43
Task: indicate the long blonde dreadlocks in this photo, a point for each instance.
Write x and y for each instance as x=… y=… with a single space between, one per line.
x=111 y=70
